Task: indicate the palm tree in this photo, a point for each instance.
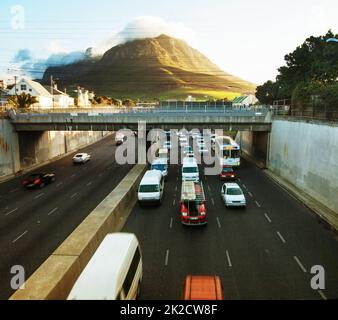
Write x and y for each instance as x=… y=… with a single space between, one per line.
x=22 y=101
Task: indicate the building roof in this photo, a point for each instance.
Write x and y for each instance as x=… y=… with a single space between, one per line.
x=54 y=91
x=37 y=87
x=239 y=99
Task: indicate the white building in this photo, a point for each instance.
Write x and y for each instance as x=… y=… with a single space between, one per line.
x=61 y=99
x=35 y=89
x=83 y=97
x=244 y=101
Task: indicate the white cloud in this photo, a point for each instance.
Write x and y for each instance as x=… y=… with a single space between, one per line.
x=55 y=47
x=146 y=27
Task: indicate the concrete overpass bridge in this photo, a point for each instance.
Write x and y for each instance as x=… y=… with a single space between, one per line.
x=112 y=119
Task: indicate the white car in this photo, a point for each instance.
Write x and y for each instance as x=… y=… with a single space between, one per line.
x=233 y=195
x=81 y=158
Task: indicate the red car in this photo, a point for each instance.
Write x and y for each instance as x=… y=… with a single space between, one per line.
x=227 y=173
x=38 y=180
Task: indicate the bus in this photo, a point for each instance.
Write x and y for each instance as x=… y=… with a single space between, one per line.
x=228 y=151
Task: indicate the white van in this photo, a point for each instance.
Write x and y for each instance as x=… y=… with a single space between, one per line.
x=190 y=171
x=151 y=188
x=113 y=273
x=163 y=153
x=160 y=164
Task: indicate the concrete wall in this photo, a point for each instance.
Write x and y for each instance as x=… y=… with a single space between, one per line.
x=254 y=144
x=38 y=147
x=306 y=155
x=9 y=149
x=22 y=150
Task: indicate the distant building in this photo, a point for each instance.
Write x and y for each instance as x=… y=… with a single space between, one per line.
x=244 y=101
x=35 y=89
x=3 y=85
x=61 y=99
x=83 y=97
x=190 y=99
x=3 y=97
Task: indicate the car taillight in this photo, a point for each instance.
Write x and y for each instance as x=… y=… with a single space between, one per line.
x=25 y=182
x=202 y=213
x=184 y=214
x=37 y=181
x=232 y=176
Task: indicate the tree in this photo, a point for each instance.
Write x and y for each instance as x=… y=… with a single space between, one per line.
x=267 y=93
x=314 y=63
x=22 y=101
x=129 y=103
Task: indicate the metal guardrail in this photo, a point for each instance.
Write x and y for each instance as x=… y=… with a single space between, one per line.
x=308 y=112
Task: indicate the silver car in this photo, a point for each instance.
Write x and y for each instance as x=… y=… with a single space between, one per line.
x=81 y=158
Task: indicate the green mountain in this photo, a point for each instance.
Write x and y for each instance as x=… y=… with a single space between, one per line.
x=156 y=67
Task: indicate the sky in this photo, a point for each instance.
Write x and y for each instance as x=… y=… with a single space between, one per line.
x=246 y=38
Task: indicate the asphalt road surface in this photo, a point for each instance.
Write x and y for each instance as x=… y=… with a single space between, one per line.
x=33 y=223
x=265 y=251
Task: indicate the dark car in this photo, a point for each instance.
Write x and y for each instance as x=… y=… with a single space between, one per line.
x=38 y=180
x=227 y=173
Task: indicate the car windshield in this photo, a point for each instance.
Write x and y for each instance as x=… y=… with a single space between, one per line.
x=234 y=153
x=234 y=192
x=192 y=206
x=190 y=170
x=149 y=188
x=79 y=155
x=160 y=167
x=227 y=170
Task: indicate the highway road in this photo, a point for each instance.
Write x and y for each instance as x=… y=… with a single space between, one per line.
x=265 y=251
x=33 y=223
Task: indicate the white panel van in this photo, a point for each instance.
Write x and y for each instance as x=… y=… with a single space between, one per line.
x=190 y=171
x=113 y=273
x=151 y=188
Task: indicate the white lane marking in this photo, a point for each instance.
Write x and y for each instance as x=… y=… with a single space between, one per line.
x=258 y=204
x=322 y=294
x=74 y=195
x=39 y=196
x=52 y=211
x=100 y=175
x=206 y=177
x=10 y=212
x=244 y=186
x=209 y=188
x=89 y=183
x=267 y=217
x=229 y=260
x=166 y=258
x=15 y=190
x=171 y=223
x=177 y=178
x=15 y=240
x=174 y=202
x=59 y=184
x=300 y=264
x=73 y=175
x=239 y=180
x=219 y=223
x=176 y=188
x=213 y=201
x=250 y=194
x=281 y=237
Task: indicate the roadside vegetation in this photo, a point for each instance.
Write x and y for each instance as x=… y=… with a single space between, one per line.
x=309 y=76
